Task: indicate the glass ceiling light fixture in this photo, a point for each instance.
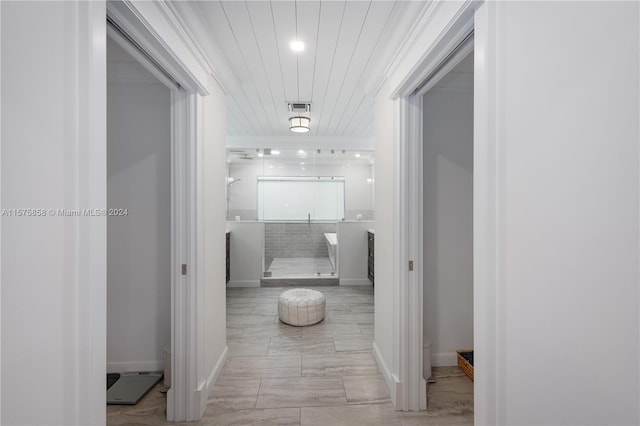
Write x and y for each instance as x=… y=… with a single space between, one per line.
x=299 y=124
x=299 y=120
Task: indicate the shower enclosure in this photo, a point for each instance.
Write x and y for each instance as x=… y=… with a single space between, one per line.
x=299 y=196
x=300 y=215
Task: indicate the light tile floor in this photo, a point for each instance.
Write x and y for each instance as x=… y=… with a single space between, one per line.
x=324 y=374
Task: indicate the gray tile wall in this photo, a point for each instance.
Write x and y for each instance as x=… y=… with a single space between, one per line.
x=295 y=240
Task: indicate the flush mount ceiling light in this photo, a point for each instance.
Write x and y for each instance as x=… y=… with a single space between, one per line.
x=297 y=46
x=299 y=124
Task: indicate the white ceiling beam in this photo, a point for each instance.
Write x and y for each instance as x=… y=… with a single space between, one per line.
x=296 y=142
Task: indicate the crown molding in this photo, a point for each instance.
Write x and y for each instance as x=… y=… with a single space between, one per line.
x=204 y=46
x=433 y=31
x=177 y=24
x=421 y=22
x=414 y=16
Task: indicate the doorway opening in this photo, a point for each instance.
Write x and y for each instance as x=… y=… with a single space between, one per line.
x=175 y=182
x=445 y=53
x=447 y=187
x=139 y=240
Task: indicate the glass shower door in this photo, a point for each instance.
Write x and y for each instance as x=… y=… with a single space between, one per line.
x=286 y=209
x=291 y=240
x=300 y=202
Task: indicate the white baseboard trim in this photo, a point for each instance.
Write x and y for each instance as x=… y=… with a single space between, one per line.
x=127 y=367
x=201 y=395
x=355 y=281
x=390 y=379
x=444 y=359
x=248 y=283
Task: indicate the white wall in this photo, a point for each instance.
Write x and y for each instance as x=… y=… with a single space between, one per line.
x=353 y=252
x=384 y=227
x=448 y=214
x=212 y=320
x=247 y=242
x=138 y=244
x=53 y=346
x=568 y=190
x=557 y=109
x=54 y=156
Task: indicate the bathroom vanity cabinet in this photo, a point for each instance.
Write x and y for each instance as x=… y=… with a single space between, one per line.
x=370 y=265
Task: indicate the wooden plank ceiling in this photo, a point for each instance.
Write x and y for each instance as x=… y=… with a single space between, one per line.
x=341 y=39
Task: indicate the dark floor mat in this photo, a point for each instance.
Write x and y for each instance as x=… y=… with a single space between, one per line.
x=111 y=379
x=131 y=387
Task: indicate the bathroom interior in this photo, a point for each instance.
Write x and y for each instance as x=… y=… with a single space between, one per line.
x=299 y=216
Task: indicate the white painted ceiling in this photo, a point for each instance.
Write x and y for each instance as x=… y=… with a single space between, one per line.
x=342 y=41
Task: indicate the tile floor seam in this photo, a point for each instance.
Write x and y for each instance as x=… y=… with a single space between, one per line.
x=255 y=404
x=344 y=388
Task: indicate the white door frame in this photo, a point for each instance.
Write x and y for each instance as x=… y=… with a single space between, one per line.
x=408 y=211
x=183 y=400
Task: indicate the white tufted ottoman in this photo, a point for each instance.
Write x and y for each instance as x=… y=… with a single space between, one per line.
x=301 y=306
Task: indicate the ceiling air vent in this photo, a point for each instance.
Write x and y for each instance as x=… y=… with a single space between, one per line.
x=299 y=107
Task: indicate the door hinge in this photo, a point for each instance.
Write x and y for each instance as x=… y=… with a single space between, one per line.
x=184 y=269
x=411 y=265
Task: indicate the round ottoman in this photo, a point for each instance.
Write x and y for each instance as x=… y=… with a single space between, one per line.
x=301 y=306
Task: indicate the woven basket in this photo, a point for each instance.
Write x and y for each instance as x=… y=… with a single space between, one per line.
x=464 y=364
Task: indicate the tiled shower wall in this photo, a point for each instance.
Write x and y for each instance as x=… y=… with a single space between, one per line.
x=295 y=240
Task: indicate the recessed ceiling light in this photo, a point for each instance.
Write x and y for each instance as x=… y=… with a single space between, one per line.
x=260 y=154
x=296 y=46
x=301 y=151
x=274 y=152
x=357 y=155
x=302 y=164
